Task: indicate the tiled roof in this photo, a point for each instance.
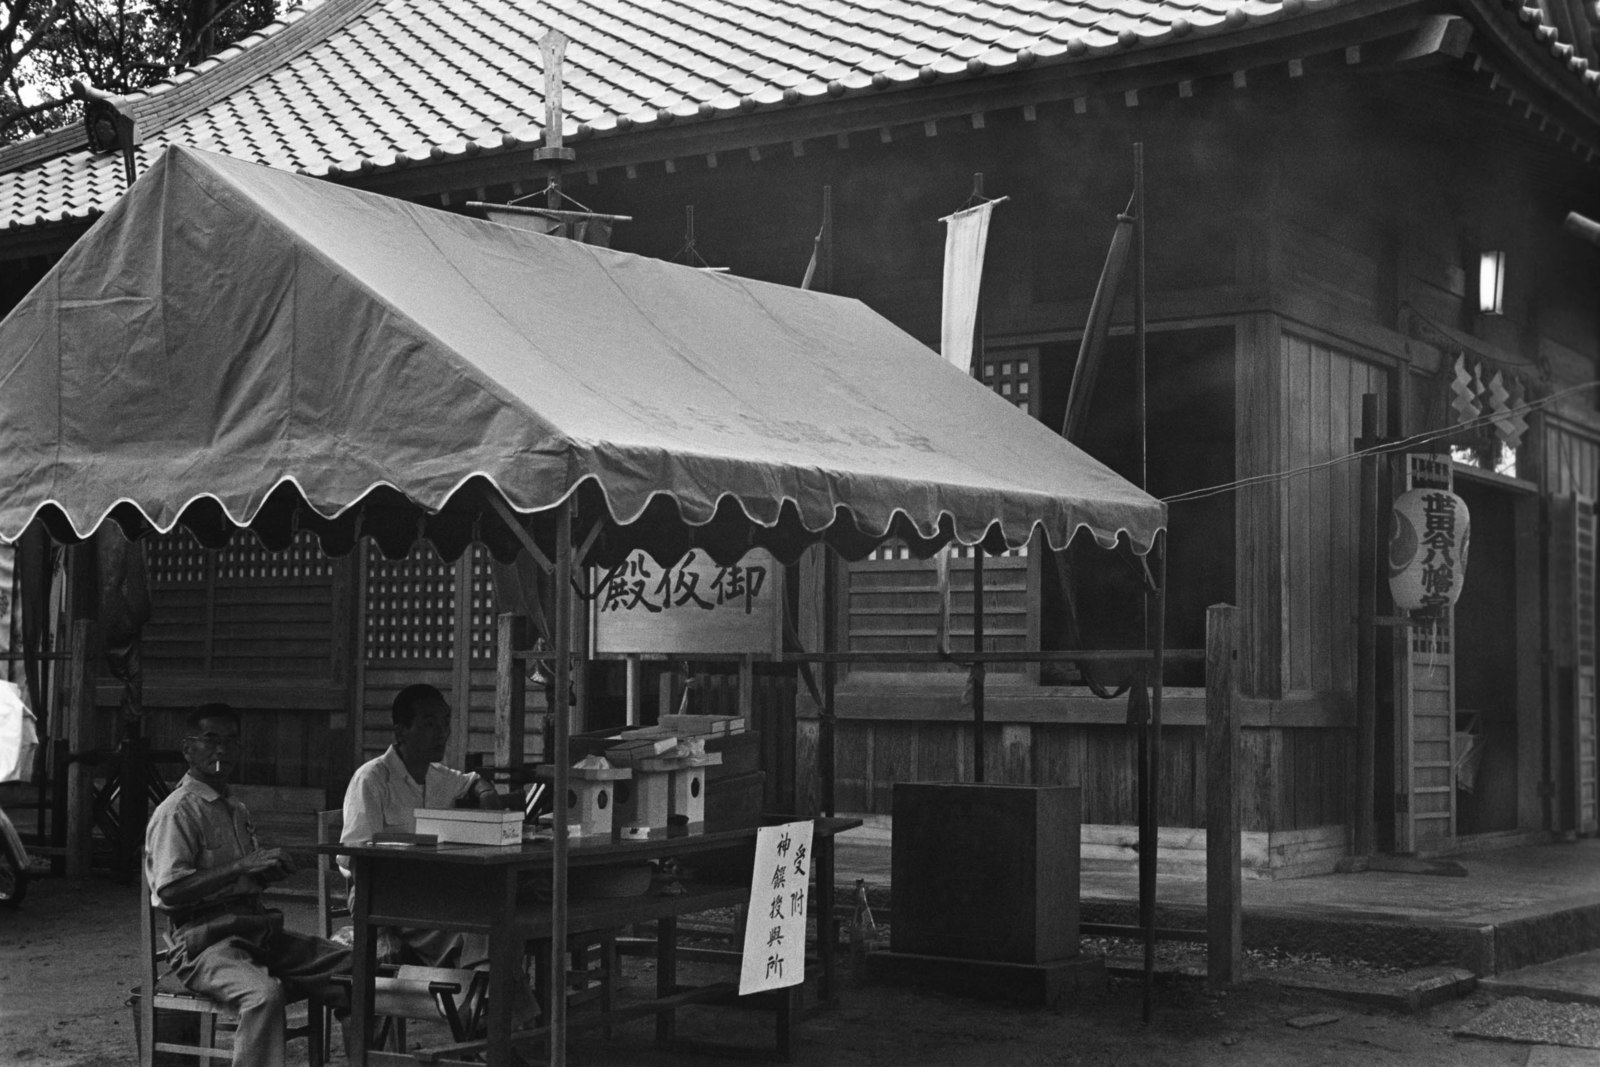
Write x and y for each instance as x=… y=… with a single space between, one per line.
x=345 y=86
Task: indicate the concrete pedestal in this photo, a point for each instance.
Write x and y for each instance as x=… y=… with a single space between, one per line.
x=1047 y=985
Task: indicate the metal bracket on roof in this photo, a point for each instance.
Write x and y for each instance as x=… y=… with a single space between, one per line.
x=109 y=126
x=1440 y=38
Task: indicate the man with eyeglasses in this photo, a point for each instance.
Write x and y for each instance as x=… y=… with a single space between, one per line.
x=206 y=871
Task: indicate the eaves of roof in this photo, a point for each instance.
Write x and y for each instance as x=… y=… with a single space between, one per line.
x=382 y=91
x=1533 y=66
x=198 y=87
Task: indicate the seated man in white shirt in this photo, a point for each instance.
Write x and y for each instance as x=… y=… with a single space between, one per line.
x=383 y=796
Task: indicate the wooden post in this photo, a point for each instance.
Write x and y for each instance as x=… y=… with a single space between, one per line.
x=461 y=667
x=79 y=705
x=1366 y=634
x=747 y=688
x=635 y=694
x=978 y=710
x=1224 y=914
x=510 y=691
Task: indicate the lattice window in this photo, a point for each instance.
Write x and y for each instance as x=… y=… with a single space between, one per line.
x=175 y=558
x=1012 y=378
x=245 y=562
x=899 y=550
x=410 y=607
x=481 y=620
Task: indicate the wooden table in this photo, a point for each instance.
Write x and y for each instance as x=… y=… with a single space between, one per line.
x=473 y=889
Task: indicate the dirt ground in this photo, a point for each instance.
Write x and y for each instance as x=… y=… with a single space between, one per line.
x=67 y=963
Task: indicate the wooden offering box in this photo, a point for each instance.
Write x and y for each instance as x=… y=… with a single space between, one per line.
x=986 y=872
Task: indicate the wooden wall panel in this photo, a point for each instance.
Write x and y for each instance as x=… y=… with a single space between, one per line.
x=1256 y=775
x=1259 y=507
x=1289 y=778
x=894 y=759
x=853 y=761
x=1322 y=404
x=1058 y=754
x=240 y=610
x=939 y=752
x=175 y=639
x=1109 y=774
x=893 y=604
x=1572 y=462
x=1181 y=784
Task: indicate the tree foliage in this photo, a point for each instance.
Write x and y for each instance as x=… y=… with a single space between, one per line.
x=117 y=46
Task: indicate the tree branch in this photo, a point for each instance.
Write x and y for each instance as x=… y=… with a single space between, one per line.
x=8 y=121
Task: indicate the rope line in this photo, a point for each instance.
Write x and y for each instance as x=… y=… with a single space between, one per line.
x=1405 y=444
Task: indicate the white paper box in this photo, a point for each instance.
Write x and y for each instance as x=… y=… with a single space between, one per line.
x=466 y=827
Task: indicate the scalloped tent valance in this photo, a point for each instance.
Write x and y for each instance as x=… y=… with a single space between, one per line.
x=236 y=346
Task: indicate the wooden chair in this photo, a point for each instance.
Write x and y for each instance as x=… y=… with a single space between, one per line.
x=594 y=966
x=160 y=991
x=403 y=991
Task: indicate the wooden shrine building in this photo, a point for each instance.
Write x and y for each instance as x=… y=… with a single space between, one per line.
x=1324 y=180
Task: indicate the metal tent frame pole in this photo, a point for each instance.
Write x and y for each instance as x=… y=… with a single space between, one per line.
x=559 y=759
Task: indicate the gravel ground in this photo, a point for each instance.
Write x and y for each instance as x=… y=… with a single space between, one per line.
x=67 y=962
x=1538 y=1022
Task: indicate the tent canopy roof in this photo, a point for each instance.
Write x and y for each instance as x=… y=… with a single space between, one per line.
x=235 y=346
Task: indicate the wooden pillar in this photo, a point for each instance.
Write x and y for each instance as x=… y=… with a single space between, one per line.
x=1366 y=635
x=510 y=691
x=635 y=693
x=747 y=687
x=79 y=706
x=1224 y=911
x=461 y=666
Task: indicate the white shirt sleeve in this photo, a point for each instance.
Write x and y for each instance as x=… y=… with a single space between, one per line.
x=363 y=808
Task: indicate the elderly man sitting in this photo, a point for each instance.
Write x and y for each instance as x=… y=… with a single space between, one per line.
x=206 y=872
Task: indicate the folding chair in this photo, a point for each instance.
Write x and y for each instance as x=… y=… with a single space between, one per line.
x=160 y=991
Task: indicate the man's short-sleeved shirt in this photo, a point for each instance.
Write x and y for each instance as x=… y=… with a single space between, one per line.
x=197 y=829
x=383 y=797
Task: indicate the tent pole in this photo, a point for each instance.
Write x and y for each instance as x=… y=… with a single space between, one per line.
x=978 y=759
x=827 y=923
x=559 y=759
x=1147 y=867
x=830 y=671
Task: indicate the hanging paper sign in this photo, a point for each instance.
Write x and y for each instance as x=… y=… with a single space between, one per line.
x=696 y=605
x=1428 y=549
x=775 y=929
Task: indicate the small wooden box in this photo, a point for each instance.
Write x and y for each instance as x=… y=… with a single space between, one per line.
x=466 y=827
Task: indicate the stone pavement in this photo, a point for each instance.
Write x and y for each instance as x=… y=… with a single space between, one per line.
x=1523 y=920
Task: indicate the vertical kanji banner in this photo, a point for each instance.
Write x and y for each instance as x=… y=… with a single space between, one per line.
x=966 y=236
x=775 y=927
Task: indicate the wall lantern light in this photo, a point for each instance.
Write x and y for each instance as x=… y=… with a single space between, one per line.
x=1492 y=283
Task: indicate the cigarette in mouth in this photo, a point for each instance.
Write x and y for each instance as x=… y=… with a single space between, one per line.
x=216 y=766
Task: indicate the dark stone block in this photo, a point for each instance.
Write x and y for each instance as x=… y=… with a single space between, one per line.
x=986 y=872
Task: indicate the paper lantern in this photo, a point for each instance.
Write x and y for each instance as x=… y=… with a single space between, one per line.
x=1428 y=549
